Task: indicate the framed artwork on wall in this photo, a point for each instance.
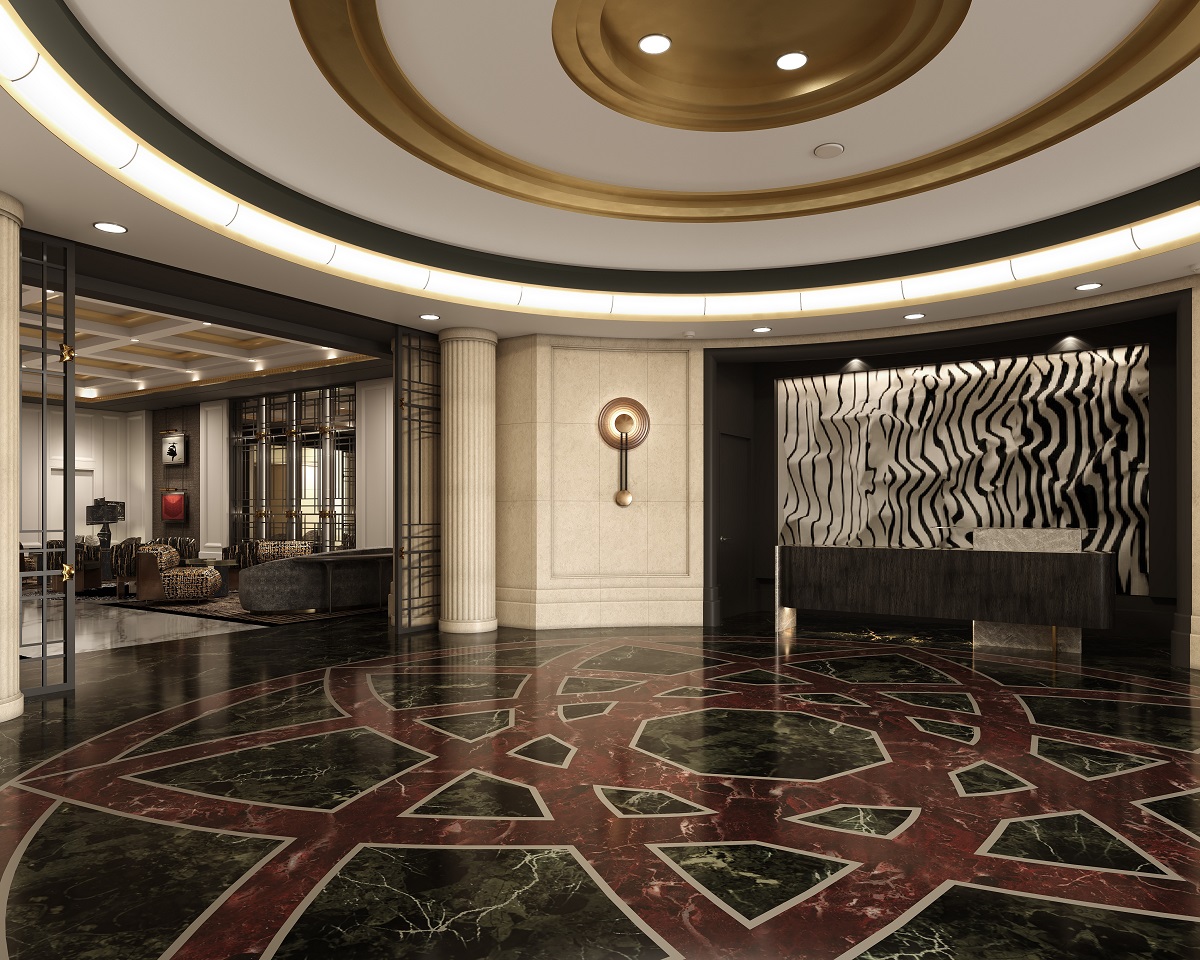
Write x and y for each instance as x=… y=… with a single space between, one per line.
x=174 y=506
x=174 y=449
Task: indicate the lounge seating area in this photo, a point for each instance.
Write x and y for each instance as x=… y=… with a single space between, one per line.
x=268 y=576
x=339 y=580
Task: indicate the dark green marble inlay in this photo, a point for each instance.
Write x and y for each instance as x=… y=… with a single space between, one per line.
x=759 y=743
x=987 y=778
x=880 y=668
x=629 y=659
x=834 y=698
x=761 y=677
x=944 y=728
x=1183 y=811
x=960 y=702
x=472 y=726
x=531 y=656
x=578 y=711
x=1020 y=675
x=95 y=885
x=1089 y=762
x=594 y=685
x=648 y=803
x=751 y=878
x=284 y=708
x=476 y=794
x=403 y=691
x=694 y=693
x=969 y=923
x=457 y=903
x=1164 y=725
x=546 y=749
x=1072 y=839
x=322 y=771
x=875 y=821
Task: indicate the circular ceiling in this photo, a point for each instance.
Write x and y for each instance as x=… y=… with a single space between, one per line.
x=720 y=74
x=984 y=131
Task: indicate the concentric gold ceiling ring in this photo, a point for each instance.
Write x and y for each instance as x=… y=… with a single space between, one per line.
x=721 y=72
x=347 y=41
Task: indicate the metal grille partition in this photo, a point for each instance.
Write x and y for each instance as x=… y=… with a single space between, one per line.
x=294 y=467
x=418 y=420
x=47 y=495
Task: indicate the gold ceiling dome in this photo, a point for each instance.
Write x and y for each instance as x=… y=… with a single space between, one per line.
x=720 y=72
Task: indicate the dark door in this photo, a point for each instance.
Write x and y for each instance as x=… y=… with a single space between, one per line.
x=47 y=496
x=735 y=576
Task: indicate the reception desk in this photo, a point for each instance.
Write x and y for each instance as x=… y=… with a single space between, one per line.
x=996 y=586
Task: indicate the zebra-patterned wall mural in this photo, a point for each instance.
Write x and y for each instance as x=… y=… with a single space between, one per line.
x=922 y=456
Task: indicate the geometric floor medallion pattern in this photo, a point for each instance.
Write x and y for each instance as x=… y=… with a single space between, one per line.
x=608 y=796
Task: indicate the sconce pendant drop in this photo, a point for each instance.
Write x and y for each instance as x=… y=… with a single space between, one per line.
x=624 y=424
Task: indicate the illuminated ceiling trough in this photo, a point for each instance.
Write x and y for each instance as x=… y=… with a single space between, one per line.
x=524 y=169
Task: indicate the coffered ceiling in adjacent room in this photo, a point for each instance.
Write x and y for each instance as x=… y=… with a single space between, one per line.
x=122 y=352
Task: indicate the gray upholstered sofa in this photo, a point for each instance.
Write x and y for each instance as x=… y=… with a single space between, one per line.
x=359 y=578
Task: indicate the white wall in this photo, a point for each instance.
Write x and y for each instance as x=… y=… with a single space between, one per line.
x=214 y=505
x=373 y=506
x=111 y=461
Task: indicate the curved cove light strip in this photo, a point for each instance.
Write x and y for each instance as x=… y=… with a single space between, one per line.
x=53 y=98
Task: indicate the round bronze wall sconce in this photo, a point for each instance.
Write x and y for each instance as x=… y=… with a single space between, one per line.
x=624 y=424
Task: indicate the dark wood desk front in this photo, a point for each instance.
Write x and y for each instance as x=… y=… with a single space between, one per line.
x=1065 y=589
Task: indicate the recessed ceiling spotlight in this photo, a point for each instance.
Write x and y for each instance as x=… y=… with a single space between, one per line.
x=827 y=151
x=914 y=316
x=791 y=61
x=430 y=316
x=1089 y=286
x=134 y=340
x=206 y=323
x=762 y=329
x=105 y=227
x=654 y=44
x=689 y=334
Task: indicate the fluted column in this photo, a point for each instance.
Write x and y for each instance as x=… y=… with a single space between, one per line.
x=12 y=703
x=468 y=480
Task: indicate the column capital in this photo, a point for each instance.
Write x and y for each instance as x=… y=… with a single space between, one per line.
x=467 y=333
x=11 y=208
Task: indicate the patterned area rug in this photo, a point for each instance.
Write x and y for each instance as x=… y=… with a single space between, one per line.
x=230 y=608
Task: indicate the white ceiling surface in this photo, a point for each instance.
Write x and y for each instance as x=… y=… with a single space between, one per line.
x=239 y=74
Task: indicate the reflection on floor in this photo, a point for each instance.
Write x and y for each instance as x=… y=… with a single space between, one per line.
x=102 y=626
x=330 y=790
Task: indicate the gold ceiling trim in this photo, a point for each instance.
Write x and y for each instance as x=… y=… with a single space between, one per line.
x=346 y=40
x=720 y=71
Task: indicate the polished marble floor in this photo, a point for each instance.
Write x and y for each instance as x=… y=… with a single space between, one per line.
x=332 y=791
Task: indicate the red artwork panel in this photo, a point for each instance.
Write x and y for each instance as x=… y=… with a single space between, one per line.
x=174 y=508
